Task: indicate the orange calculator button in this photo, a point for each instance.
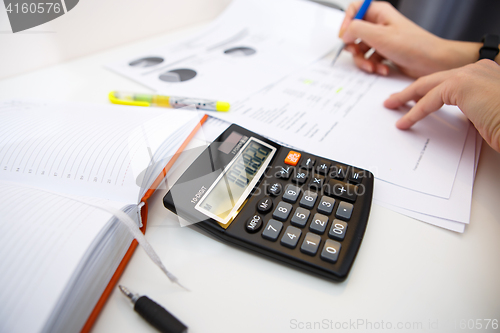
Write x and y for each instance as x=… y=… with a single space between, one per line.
x=292 y=158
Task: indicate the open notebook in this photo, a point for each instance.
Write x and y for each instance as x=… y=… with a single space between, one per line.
x=63 y=168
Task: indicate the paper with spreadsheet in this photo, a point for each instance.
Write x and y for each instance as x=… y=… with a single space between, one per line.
x=338 y=112
x=250 y=45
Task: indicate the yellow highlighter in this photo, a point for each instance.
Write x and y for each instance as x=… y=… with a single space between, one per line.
x=125 y=98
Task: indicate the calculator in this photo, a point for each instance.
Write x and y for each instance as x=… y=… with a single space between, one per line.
x=298 y=208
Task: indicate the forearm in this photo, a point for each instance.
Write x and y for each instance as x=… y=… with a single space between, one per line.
x=456 y=54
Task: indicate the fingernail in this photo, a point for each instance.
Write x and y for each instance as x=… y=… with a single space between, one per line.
x=341 y=32
x=351 y=49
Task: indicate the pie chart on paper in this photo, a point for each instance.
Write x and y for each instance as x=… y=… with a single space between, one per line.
x=178 y=75
x=239 y=52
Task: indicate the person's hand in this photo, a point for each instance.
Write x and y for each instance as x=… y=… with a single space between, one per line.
x=474 y=88
x=415 y=51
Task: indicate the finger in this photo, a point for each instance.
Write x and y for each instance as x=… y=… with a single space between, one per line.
x=428 y=104
x=381 y=69
x=356 y=49
x=350 y=13
x=416 y=90
x=378 y=12
x=365 y=64
x=371 y=65
x=371 y=34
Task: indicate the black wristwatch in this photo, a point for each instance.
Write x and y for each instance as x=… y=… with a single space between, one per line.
x=489 y=50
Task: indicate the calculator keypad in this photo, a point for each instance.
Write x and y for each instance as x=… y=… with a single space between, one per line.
x=315 y=200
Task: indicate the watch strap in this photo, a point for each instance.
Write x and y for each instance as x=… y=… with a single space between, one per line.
x=489 y=50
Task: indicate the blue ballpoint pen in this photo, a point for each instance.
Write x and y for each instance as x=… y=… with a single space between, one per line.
x=359 y=16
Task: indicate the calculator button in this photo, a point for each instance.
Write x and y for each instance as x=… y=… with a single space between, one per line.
x=254 y=223
x=275 y=189
x=284 y=172
x=282 y=211
x=318 y=223
x=341 y=190
x=291 y=193
x=291 y=237
x=265 y=205
x=331 y=251
x=292 y=158
x=317 y=182
x=325 y=205
x=338 y=172
x=356 y=176
x=308 y=199
x=272 y=230
x=323 y=167
x=310 y=244
x=300 y=217
x=344 y=211
x=338 y=229
x=307 y=163
x=300 y=177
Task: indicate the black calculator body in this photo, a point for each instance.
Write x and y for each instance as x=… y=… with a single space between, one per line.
x=301 y=209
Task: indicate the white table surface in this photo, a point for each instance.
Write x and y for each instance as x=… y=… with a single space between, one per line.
x=407 y=273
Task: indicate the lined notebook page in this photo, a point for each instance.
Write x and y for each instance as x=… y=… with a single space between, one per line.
x=44 y=237
x=84 y=149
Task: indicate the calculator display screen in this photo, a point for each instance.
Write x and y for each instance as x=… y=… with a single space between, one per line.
x=237 y=180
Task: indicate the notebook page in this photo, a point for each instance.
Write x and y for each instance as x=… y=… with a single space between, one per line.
x=44 y=236
x=83 y=149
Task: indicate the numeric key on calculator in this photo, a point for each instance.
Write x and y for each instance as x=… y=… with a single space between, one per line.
x=326 y=205
x=282 y=211
x=331 y=251
x=300 y=217
x=338 y=229
x=310 y=244
x=291 y=193
x=308 y=199
x=318 y=223
x=272 y=230
x=291 y=237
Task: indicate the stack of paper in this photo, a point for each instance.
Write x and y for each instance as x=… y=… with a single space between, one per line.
x=268 y=59
x=337 y=112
